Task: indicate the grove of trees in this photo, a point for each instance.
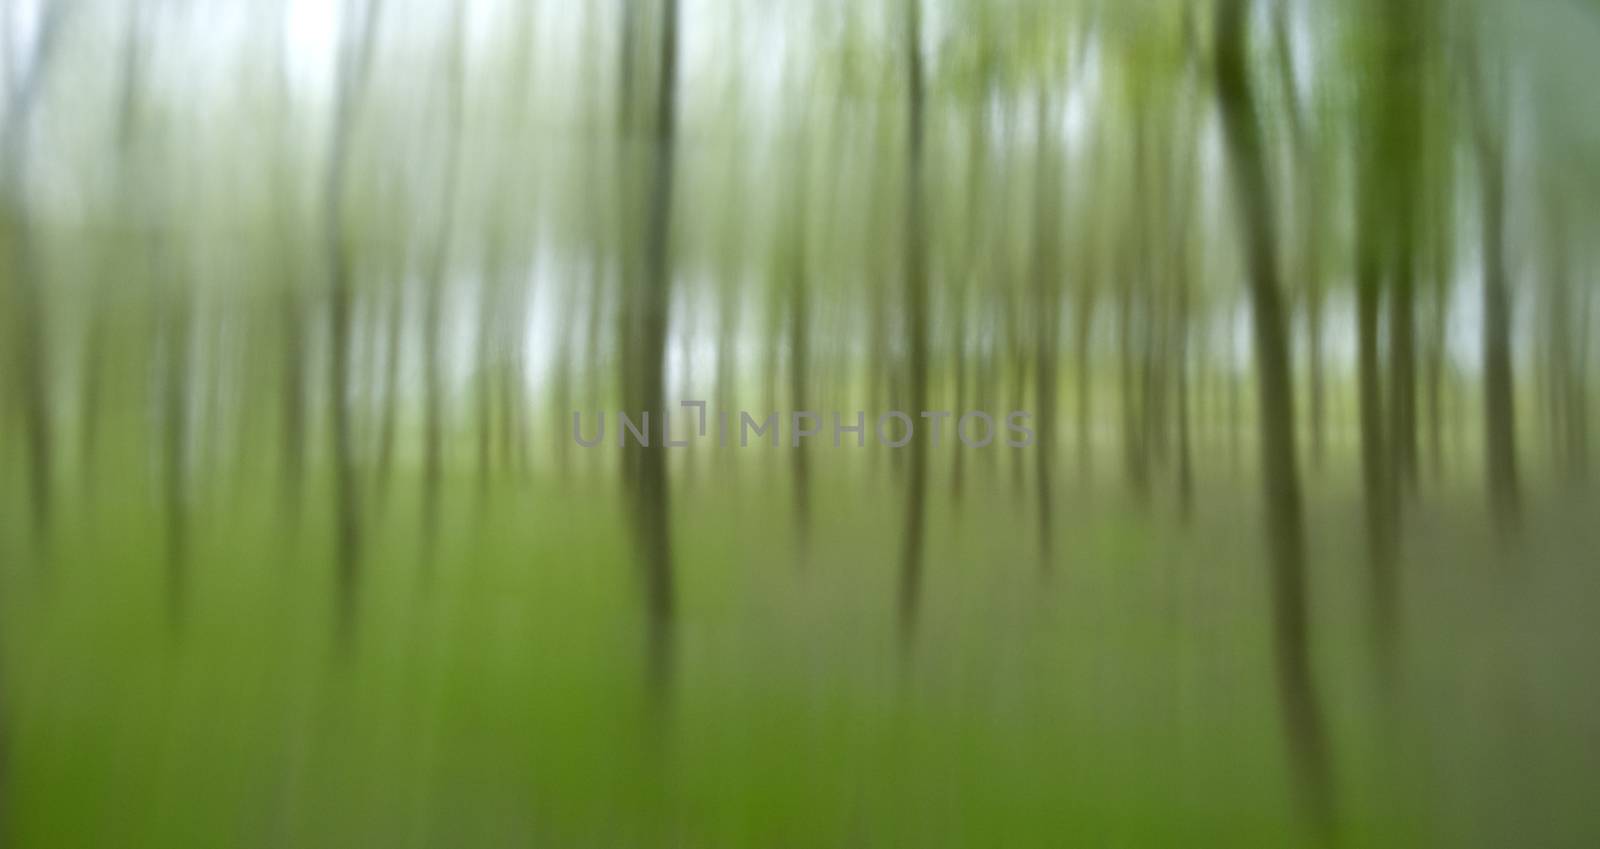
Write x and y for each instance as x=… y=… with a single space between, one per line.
x=362 y=261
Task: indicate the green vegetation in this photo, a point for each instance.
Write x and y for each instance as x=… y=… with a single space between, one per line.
x=298 y=301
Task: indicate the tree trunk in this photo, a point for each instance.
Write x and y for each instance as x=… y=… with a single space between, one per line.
x=800 y=359
x=1499 y=410
x=31 y=344
x=389 y=414
x=1281 y=486
x=1046 y=328
x=916 y=304
x=433 y=425
x=654 y=298
x=175 y=394
x=1403 y=384
x=352 y=78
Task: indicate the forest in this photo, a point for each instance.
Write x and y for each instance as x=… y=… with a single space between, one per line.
x=789 y=423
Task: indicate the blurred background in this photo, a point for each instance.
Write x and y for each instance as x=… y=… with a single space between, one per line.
x=299 y=299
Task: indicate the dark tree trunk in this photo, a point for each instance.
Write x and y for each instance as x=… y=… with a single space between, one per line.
x=175 y=394
x=433 y=425
x=1375 y=473
x=1047 y=308
x=1403 y=385
x=1499 y=406
x=800 y=359
x=916 y=304
x=94 y=351
x=31 y=349
x=389 y=414
x=491 y=295
x=653 y=314
x=341 y=296
x=1281 y=486
x=1184 y=425
x=291 y=321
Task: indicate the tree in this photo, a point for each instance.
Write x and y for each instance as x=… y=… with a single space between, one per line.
x=1280 y=479
x=916 y=320
x=645 y=382
x=1046 y=309
x=1499 y=408
x=31 y=349
x=433 y=423
x=353 y=70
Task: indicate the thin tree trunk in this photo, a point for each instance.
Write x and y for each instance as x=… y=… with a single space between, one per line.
x=388 y=417
x=1181 y=363
x=916 y=304
x=341 y=294
x=1046 y=328
x=94 y=352
x=1308 y=203
x=175 y=392
x=31 y=348
x=800 y=354
x=1375 y=256
x=1578 y=425
x=976 y=248
x=1499 y=411
x=1403 y=385
x=291 y=321
x=1136 y=412
x=1376 y=482
x=1440 y=271
x=433 y=425
x=1083 y=340
x=654 y=296
x=490 y=296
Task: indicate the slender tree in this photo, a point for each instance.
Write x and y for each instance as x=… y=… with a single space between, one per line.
x=916 y=321
x=1499 y=408
x=1047 y=321
x=433 y=413
x=354 y=68
x=95 y=337
x=30 y=342
x=652 y=292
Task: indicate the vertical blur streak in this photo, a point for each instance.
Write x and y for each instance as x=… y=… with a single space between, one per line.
x=795 y=268
x=302 y=302
x=94 y=354
x=654 y=294
x=1381 y=111
x=1047 y=319
x=1183 y=265
x=1500 y=438
x=1309 y=200
x=916 y=319
x=25 y=305
x=352 y=78
x=433 y=411
x=31 y=344
x=175 y=355
x=1286 y=536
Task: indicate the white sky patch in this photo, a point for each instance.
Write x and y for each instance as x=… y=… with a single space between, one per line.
x=312 y=44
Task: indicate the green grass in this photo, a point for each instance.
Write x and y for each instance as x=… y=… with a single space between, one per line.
x=494 y=693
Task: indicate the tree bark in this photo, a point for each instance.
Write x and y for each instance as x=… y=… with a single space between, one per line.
x=1280 y=482
x=653 y=314
x=1499 y=409
x=341 y=294
x=1047 y=321
x=31 y=349
x=433 y=424
x=916 y=305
